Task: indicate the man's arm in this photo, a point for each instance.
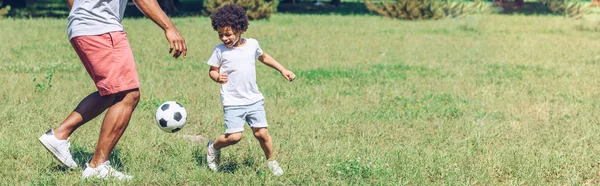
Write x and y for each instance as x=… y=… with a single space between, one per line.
x=152 y=10
x=70 y=3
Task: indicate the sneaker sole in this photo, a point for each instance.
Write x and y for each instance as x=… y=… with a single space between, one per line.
x=54 y=153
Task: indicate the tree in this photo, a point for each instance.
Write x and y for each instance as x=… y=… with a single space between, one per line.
x=336 y=2
x=169 y=6
x=14 y=3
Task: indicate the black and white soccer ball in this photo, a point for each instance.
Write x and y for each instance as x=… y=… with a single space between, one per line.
x=171 y=116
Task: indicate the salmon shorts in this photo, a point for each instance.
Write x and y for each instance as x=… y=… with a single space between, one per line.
x=108 y=60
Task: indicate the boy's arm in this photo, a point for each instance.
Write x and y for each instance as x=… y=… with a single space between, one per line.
x=152 y=10
x=70 y=3
x=271 y=62
x=213 y=72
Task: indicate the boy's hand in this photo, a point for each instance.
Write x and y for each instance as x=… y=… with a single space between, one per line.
x=222 y=78
x=288 y=75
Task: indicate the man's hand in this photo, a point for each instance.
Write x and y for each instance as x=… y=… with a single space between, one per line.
x=177 y=43
x=152 y=10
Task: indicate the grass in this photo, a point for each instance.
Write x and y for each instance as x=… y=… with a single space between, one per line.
x=482 y=100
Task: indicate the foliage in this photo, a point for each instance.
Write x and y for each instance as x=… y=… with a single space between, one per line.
x=570 y=8
x=428 y=9
x=255 y=9
x=4 y=11
x=44 y=84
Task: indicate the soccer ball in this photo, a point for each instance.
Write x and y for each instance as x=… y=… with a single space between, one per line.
x=171 y=116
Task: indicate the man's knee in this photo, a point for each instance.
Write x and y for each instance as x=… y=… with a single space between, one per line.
x=130 y=96
x=134 y=95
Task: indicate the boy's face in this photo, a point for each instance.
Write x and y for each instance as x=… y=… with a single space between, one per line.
x=229 y=37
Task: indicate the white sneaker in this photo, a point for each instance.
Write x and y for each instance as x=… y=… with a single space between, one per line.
x=58 y=148
x=213 y=156
x=275 y=168
x=104 y=171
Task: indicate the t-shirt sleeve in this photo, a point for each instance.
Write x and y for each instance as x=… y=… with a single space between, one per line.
x=259 y=51
x=215 y=58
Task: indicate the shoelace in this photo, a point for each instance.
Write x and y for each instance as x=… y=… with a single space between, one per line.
x=114 y=172
x=274 y=165
x=68 y=144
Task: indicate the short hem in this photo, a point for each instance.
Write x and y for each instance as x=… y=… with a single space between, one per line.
x=231 y=131
x=105 y=92
x=262 y=125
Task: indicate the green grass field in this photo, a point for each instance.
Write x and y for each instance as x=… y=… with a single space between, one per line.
x=481 y=100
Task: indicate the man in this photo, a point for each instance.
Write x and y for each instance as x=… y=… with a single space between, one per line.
x=96 y=34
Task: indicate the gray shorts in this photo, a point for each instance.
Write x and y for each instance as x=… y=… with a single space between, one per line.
x=235 y=116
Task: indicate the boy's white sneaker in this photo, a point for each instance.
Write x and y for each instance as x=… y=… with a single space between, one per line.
x=213 y=156
x=58 y=148
x=104 y=171
x=275 y=168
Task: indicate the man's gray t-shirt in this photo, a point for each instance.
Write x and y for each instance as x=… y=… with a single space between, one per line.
x=95 y=17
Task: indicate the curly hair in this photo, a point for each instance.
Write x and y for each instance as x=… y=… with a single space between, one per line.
x=230 y=15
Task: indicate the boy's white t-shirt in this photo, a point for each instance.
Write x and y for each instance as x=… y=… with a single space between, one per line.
x=239 y=63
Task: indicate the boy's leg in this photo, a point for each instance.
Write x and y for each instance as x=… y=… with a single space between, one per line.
x=226 y=140
x=263 y=137
x=213 y=153
x=114 y=124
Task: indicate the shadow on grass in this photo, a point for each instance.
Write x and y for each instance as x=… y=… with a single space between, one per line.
x=81 y=156
x=228 y=167
x=200 y=157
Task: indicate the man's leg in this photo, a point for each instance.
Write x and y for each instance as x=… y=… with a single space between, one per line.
x=57 y=141
x=115 y=122
x=90 y=107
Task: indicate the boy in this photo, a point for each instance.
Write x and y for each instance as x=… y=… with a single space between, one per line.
x=232 y=65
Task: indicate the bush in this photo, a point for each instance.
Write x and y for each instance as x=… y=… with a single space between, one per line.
x=569 y=8
x=255 y=9
x=4 y=11
x=429 y=9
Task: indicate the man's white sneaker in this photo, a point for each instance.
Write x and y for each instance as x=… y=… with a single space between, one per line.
x=58 y=148
x=104 y=171
x=275 y=168
x=213 y=156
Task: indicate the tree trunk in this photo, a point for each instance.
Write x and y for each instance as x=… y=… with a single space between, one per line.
x=168 y=6
x=336 y=2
